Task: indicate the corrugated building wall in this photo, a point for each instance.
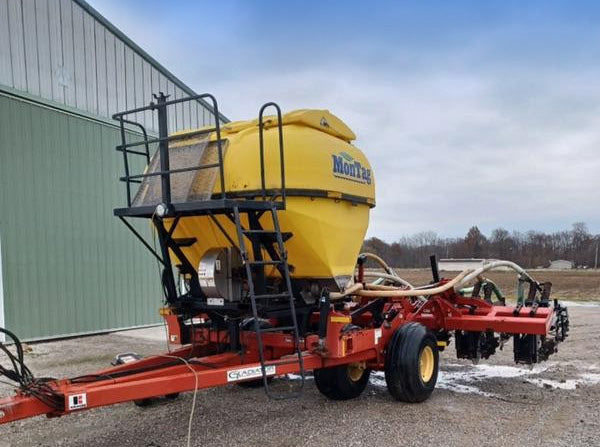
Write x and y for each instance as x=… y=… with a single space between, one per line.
x=68 y=266
x=64 y=51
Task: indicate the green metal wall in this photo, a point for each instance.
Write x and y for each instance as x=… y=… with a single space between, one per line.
x=69 y=266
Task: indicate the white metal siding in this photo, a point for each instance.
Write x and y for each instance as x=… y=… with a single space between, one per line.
x=55 y=40
x=59 y=51
x=30 y=31
x=560 y=264
x=458 y=265
x=5 y=58
x=16 y=44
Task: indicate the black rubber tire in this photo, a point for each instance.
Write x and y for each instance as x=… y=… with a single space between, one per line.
x=402 y=370
x=336 y=384
x=143 y=403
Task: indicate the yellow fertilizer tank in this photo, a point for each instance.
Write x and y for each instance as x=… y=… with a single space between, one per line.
x=329 y=186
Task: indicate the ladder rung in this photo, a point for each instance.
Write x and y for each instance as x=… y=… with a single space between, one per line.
x=267 y=233
x=265 y=262
x=278 y=329
x=268 y=296
x=185 y=241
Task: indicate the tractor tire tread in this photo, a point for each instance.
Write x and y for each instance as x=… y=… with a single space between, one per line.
x=402 y=374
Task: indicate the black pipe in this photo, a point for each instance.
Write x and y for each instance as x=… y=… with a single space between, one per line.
x=324 y=304
x=434 y=268
x=163 y=133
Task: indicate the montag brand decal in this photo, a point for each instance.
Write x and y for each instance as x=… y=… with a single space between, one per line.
x=347 y=168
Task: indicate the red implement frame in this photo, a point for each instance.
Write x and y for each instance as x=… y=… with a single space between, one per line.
x=181 y=370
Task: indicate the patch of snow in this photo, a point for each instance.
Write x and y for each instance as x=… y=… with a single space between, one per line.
x=293 y=376
x=446 y=383
x=590 y=378
x=569 y=384
x=484 y=371
x=378 y=379
x=465 y=379
x=580 y=303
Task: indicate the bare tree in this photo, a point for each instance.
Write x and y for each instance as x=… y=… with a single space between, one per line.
x=531 y=249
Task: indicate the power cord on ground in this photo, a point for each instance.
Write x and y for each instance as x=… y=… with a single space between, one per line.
x=189 y=433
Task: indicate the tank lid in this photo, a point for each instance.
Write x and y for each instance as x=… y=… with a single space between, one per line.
x=322 y=120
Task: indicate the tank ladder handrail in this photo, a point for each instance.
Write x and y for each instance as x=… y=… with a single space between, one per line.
x=262 y=149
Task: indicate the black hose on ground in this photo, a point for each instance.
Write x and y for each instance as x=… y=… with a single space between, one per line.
x=19 y=373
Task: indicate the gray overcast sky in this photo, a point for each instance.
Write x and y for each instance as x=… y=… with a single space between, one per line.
x=472 y=113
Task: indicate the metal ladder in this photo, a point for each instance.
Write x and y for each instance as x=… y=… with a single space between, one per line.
x=255 y=263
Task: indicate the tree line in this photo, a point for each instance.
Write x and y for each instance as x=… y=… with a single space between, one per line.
x=529 y=249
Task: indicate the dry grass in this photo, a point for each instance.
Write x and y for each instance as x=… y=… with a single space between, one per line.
x=583 y=285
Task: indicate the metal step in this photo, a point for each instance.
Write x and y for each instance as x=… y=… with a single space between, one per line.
x=270 y=235
x=278 y=329
x=185 y=241
x=268 y=296
x=267 y=262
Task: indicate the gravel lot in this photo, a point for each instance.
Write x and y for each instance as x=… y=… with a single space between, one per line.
x=492 y=404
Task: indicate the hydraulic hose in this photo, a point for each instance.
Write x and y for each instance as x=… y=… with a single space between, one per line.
x=349 y=291
x=495 y=289
x=391 y=275
x=358 y=289
x=492 y=265
x=458 y=282
x=380 y=261
x=393 y=278
x=422 y=292
x=372 y=286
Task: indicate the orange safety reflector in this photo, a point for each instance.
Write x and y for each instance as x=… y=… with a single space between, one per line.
x=164 y=311
x=338 y=319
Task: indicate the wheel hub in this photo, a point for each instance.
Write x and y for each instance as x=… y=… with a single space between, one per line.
x=426 y=364
x=356 y=370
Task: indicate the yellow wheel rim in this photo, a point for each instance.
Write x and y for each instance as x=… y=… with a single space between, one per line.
x=426 y=364
x=356 y=371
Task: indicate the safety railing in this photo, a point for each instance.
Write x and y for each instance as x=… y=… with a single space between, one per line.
x=142 y=148
x=160 y=106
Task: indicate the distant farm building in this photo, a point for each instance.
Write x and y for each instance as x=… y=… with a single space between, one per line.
x=458 y=265
x=561 y=264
